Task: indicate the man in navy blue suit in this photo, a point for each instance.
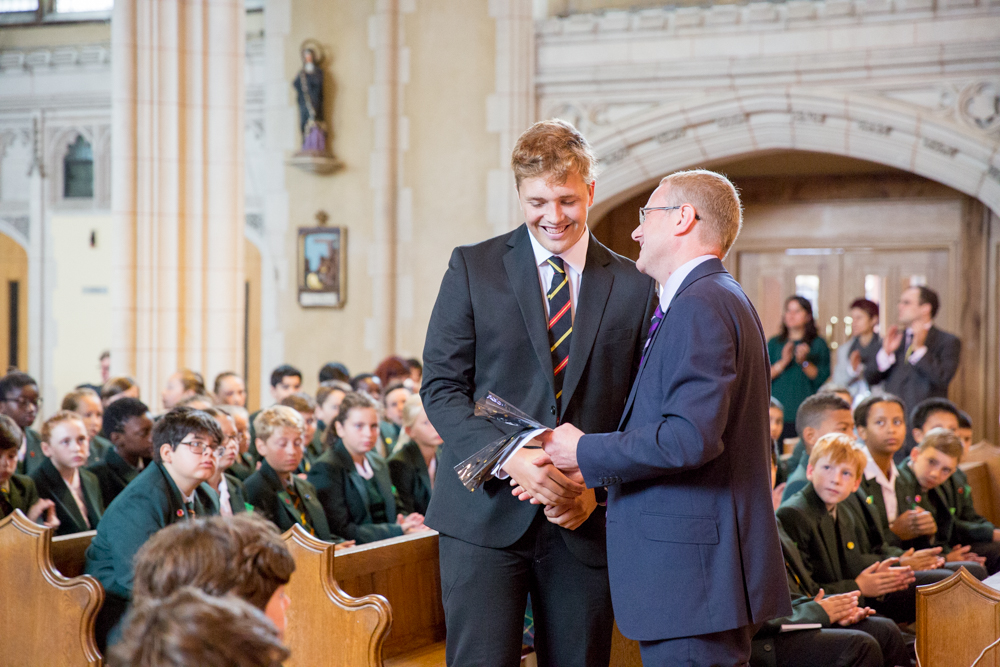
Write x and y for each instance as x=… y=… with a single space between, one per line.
x=693 y=552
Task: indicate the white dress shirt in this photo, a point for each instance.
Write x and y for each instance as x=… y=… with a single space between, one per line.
x=225 y=509
x=669 y=289
x=364 y=469
x=573 y=259
x=872 y=471
x=884 y=360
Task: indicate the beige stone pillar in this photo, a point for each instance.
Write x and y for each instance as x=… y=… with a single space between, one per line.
x=177 y=188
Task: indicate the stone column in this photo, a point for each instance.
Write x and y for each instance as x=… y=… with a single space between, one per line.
x=177 y=188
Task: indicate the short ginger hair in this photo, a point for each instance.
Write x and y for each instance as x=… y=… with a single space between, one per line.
x=839 y=448
x=715 y=200
x=56 y=419
x=553 y=149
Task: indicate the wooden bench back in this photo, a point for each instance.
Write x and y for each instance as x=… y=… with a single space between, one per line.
x=324 y=625
x=984 y=478
x=51 y=616
x=405 y=571
x=956 y=619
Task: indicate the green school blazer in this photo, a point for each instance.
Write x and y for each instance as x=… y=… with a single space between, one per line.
x=244 y=467
x=33 y=456
x=22 y=494
x=51 y=485
x=114 y=474
x=99 y=446
x=267 y=494
x=951 y=504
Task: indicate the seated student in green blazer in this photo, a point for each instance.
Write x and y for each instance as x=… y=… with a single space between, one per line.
x=275 y=491
x=826 y=531
x=393 y=399
x=817 y=415
x=130 y=430
x=245 y=465
x=228 y=489
x=18 y=492
x=85 y=402
x=304 y=404
x=929 y=479
x=413 y=465
x=186 y=446
x=19 y=400
x=62 y=478
x=353 y=482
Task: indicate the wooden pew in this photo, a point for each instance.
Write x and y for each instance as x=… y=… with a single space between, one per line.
x=956 y=619
x=404 y=570
x=982 y=467
x=325 y=626
x=51 y=616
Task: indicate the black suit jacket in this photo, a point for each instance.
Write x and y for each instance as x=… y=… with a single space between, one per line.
x=267 y=494
x=411 y=478
x=113 y=473
x=344 y=497
x=50 y=485
x=689 y=502
x=488 y=332
x=927 y=378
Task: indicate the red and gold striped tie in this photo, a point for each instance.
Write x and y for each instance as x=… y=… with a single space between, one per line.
x=560 y=321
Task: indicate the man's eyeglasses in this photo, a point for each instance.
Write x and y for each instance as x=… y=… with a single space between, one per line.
x=199 y=448
x=24 y=403
x=642 y=211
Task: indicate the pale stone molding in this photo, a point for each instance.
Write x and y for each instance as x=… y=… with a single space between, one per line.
x=638 y=150
x=510 y=110
x=177 y=203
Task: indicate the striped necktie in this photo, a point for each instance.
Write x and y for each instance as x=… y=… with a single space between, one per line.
x=653 y=325
x=560 y=322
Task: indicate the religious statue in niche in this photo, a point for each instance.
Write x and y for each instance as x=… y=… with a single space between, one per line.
x=315 y=155
x=322 y=262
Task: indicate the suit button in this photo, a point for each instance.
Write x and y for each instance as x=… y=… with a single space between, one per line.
x=552 y=409
x=767 y=647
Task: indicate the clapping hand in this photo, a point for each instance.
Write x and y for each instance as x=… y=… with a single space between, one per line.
x=48 y=508
x=411 y=523
x=893 y=339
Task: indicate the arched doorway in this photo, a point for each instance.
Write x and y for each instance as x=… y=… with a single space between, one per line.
x=13 y=304
x=836 y=228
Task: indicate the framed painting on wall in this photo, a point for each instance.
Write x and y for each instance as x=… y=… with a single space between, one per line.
x=322 y=267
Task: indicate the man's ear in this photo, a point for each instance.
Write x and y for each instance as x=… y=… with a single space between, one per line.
x=116 y=437
x=166 y=452
x=686 y=221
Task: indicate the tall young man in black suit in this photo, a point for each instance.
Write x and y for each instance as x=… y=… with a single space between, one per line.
x=549 y=319
x=917 y=360
x=693 y=551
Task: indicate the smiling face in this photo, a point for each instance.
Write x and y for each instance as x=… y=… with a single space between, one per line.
x=657 y=243
x=886 y=429
x=358 y=431
x=68 y=446
x=283 y=450
x=833 y=482
x=90 y=410
x=556 y=215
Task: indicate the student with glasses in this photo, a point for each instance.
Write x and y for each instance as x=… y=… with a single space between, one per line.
x=187 y=445
x=20 y=401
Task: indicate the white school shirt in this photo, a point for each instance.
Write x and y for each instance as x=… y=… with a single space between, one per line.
x=884 y=360
x=872 y=471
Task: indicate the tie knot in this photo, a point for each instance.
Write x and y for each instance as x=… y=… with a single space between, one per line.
x=557 y=263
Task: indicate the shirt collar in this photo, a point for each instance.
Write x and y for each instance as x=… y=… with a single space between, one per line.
x=576 y=256
x=669 y=289
x=872 y=471
x=365 y=469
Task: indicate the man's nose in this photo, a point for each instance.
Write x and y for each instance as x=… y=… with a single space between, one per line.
x=637 y=233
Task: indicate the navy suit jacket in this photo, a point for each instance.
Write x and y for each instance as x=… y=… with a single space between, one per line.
x=692 y=543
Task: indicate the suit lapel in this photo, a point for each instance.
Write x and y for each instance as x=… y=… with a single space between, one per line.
x=523 y=275
x=595 y=288
x=63 y=496
x=92 y=497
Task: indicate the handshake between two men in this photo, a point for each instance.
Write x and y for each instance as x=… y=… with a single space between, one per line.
x=545 y=472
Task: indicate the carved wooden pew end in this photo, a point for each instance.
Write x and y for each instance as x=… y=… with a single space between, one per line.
x=51 y=616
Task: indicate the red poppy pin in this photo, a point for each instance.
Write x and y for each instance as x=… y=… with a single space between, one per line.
x=180 y=513
x=917 y=499
x=31 y=454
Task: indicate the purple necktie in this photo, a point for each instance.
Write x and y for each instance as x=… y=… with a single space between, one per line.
x=657 y=318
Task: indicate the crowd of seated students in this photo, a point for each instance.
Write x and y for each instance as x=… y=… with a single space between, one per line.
x=859 y=532
x=106 y=463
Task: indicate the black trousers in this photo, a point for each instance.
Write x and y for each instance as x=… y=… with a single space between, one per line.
x=485 y=591
x=901 y=606
x=874 y=642
x=718 y=649
x=991 y=552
